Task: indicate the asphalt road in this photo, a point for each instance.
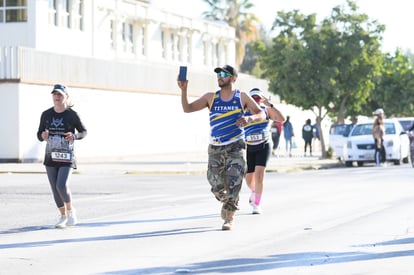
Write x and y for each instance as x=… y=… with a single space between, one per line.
x=335 y=221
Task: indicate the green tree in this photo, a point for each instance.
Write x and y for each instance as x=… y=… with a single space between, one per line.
x=394 y=89
x=329 y=67
x=251 y=63
x=236 y=14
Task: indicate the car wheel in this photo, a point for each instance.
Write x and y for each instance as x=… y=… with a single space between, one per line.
x=348 y=163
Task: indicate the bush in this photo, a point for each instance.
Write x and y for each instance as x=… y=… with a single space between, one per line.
x=329 y=152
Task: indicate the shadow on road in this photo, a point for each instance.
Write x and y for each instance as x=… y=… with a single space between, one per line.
x=272 y=262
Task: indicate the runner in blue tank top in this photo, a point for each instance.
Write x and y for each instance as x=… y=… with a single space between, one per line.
x=226 y=163
x=258 y=148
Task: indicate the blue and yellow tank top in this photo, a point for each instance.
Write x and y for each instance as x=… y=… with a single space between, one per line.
x=257 y=132
x=223 y=117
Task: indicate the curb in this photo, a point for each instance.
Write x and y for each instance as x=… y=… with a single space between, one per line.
x=154 y=168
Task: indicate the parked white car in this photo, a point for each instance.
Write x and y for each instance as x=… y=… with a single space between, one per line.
x=338 y=134
x=406 y=122
x=360 y=145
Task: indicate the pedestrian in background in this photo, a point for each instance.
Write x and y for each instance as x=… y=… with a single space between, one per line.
x=226 y=159
x=307 y=135
x=378 y=132
x=276 y=130
x=288 y=134
x=316 y=138
x=258 y=148
x=58 y=126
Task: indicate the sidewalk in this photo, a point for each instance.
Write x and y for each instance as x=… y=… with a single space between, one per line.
x=172 y=163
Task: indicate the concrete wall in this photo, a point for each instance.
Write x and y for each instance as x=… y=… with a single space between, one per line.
x=9 y=118
x=120 y=124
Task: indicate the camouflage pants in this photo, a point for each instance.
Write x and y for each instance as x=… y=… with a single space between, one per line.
x=226 y=170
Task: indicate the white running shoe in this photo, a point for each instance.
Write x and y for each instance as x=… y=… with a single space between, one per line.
x=256 y=209
x=61 y=222
x=252 y=198
x=72 y=219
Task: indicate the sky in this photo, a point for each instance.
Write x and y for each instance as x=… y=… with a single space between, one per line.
x=396 y=15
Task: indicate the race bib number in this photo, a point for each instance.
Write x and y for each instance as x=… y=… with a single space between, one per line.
x=61 y=156
x=273 y=130
x=255 y=137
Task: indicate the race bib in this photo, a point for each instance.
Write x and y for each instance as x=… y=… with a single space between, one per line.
x=61 y=156
x=255 y=137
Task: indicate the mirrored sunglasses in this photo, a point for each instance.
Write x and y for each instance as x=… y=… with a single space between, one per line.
x=223 y=74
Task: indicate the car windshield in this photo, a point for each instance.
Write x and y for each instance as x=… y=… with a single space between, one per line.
x=366 y=129
x=341 y=129
x=406 y=124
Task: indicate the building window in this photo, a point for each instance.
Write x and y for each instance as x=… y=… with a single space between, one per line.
x=187 y=49
x=78 y=15
x=128 y=37
x=52 y=12
x=205 y=53
x=66 y=13
x=112 y=34
x=57 y=10
x=164 y=45
x=140 y=44
x=174 y=46
x=13 y=11
x=216 y=54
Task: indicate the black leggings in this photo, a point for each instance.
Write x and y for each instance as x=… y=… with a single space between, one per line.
x=275 y=139
x=257 y=155
x=308 y=142
x=380 y=155
x=58 y=179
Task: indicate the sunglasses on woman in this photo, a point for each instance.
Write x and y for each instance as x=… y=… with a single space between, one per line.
x=256 y=98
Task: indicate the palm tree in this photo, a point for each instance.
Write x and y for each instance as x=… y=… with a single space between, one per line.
x=235 y=14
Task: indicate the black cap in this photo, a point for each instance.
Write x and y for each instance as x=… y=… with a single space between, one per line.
x=227 y=68
x=60 y=88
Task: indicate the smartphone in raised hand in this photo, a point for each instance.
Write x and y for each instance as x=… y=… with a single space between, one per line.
x=182 y=76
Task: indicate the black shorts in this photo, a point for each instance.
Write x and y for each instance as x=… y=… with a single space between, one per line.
x=257 y=155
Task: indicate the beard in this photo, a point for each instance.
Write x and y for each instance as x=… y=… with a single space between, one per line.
x=224 y=83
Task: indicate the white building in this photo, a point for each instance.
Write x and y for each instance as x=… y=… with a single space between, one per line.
x=120 y=60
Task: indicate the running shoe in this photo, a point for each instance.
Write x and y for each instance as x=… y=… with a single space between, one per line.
x=256 y=209
x=61 y=222
x=72 y=219
x=252 y=198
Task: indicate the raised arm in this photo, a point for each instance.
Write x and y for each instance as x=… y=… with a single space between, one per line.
x=250 y=104
x=197 y=105
x=274 y=113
